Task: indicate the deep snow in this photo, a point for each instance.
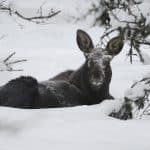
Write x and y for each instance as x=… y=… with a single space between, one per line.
x=49 y=50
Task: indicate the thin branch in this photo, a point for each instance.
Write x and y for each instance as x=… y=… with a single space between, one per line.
x=17 y=61
x=35 y=19
x=8 y=63
x=12 y=54
x=38 y=17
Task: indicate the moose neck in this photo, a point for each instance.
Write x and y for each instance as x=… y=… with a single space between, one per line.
x=80 y=79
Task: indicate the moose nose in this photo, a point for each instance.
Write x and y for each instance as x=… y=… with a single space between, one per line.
x=96 y=74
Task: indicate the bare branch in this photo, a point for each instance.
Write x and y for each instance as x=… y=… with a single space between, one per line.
x=12 y=54
x=37 y=19
x=15 y=62
x=7 y=64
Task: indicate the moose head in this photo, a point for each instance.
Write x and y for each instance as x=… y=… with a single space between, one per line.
x=98 y=59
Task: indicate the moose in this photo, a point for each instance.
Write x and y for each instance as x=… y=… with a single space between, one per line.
x=85 y=86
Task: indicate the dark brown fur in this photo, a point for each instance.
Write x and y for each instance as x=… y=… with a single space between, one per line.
x=86 y=86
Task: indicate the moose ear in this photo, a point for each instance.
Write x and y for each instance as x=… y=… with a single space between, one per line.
x=115 y=45
x=84 y=41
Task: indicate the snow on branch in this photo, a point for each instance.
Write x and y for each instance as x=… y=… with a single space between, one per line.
x=135 y=27
x=136 y=101
x=7 y=64
x=40 y=18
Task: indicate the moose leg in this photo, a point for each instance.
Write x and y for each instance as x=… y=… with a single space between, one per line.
x=21 y=92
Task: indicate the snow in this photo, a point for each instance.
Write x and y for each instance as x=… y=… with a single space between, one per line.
x=138 y=91
x=70 y=128
x=146 y=58
x=50 y=49
x=139 y=97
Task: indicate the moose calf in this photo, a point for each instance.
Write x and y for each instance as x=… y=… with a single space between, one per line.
x=85 y=86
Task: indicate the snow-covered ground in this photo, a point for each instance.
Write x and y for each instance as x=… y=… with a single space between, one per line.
x=49 y=50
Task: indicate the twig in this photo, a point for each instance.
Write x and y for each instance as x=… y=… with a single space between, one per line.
x=12 y=54
x=38 y=17
x=35 y=19
x=7 y=63
x=17 y=61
